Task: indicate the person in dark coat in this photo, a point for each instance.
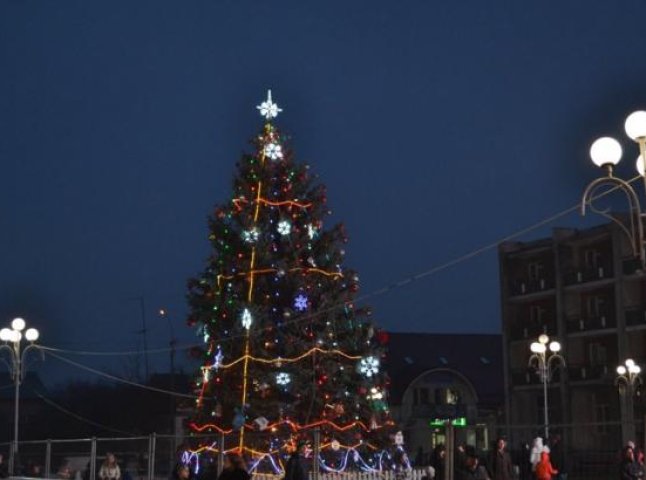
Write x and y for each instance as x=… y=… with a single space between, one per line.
x=558 y=457
x=471 y=468
x=4 y=469
x=234 y=468
x=439 y=461
x=294 y=469
x=501 y=467
x=630 y=469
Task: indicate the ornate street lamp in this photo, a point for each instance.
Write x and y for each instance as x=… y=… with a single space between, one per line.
x=14 y=343
x=628 y=377
x=546 y=359
x=606 y=153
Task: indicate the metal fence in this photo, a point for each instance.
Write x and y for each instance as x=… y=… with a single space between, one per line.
x=584 y=451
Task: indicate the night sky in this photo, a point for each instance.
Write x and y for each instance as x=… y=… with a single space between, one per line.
x=438 y=127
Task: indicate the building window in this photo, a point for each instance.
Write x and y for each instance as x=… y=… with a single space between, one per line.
x=535 y=271
x=597 y=354
x=536 y=313
x=447 y=396
x=602 y=412
x=592 y=258
x=595 y=305
x=420 y=396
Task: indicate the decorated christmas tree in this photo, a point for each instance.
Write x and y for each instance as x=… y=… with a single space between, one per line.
x=285 y=349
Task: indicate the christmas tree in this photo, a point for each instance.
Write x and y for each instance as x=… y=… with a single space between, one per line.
x=285 y=349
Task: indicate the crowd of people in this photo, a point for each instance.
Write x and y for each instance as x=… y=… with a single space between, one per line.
x=536 y=464
x=539 y=461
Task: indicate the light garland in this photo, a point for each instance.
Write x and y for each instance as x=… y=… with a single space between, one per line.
x=295 y=427
x=281 y=360
x=237 y=202
x=253 y=272
x=192 y=456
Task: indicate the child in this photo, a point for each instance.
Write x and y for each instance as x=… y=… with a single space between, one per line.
x=544 y=468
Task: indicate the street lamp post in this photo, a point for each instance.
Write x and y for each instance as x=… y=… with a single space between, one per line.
x=606 y=153
x=627 y=381
x=546 y=359
x=12 y=338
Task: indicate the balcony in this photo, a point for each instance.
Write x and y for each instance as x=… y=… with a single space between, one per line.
x=588 y=274
x=522 y=331
x=578 y=324
x=636 y=317
x=527 y=286
x=528 y=376
x=632 y=266
x=588 y=372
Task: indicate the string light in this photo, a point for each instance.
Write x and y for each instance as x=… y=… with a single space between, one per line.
x=303 y=270
x=295 y=427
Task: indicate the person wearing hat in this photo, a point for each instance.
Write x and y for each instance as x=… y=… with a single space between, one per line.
x=294 y=469
x=472 y=470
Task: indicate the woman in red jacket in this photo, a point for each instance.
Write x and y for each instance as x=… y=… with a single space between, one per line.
x=544 y=468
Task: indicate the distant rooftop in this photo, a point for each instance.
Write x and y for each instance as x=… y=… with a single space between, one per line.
x=477 y=357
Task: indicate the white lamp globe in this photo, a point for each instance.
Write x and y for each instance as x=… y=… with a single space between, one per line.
x=630 y=362
x=5 y=335
x=544 y=339
x=621 y=370
x=605 y=151
x=555 y=347
x=537 y=347
x=637 y=369
x=31 y=334
x=18 y=324
x=636 y=125
x=639 y=165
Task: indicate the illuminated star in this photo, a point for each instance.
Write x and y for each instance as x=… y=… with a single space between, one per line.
x=268 y=108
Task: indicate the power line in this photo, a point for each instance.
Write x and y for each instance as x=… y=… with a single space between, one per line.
x=79 y=417
x=383 y=290
x=119 y=379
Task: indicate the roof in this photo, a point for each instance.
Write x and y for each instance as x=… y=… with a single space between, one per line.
x=477 y=357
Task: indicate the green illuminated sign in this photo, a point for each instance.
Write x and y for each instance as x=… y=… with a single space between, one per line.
x=456 y=422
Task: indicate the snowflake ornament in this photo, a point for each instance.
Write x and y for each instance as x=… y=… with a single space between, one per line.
x=217 y=360
x=247 y=319
x=311 y=231
x=268 y=108
x=369 y=366
x=300 y=303
x=250 y=236
x=274 y=151
x=284 y=227
x=283 y=379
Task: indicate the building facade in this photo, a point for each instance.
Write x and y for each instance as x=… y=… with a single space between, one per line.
x=436 y=378
x=585 y=289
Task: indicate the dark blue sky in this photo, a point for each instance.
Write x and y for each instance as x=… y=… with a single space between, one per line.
x=437 y=126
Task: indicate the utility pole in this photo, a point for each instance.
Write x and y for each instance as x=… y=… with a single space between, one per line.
x=144 y=333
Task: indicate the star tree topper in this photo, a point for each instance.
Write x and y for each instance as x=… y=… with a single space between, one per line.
x=268 y=108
